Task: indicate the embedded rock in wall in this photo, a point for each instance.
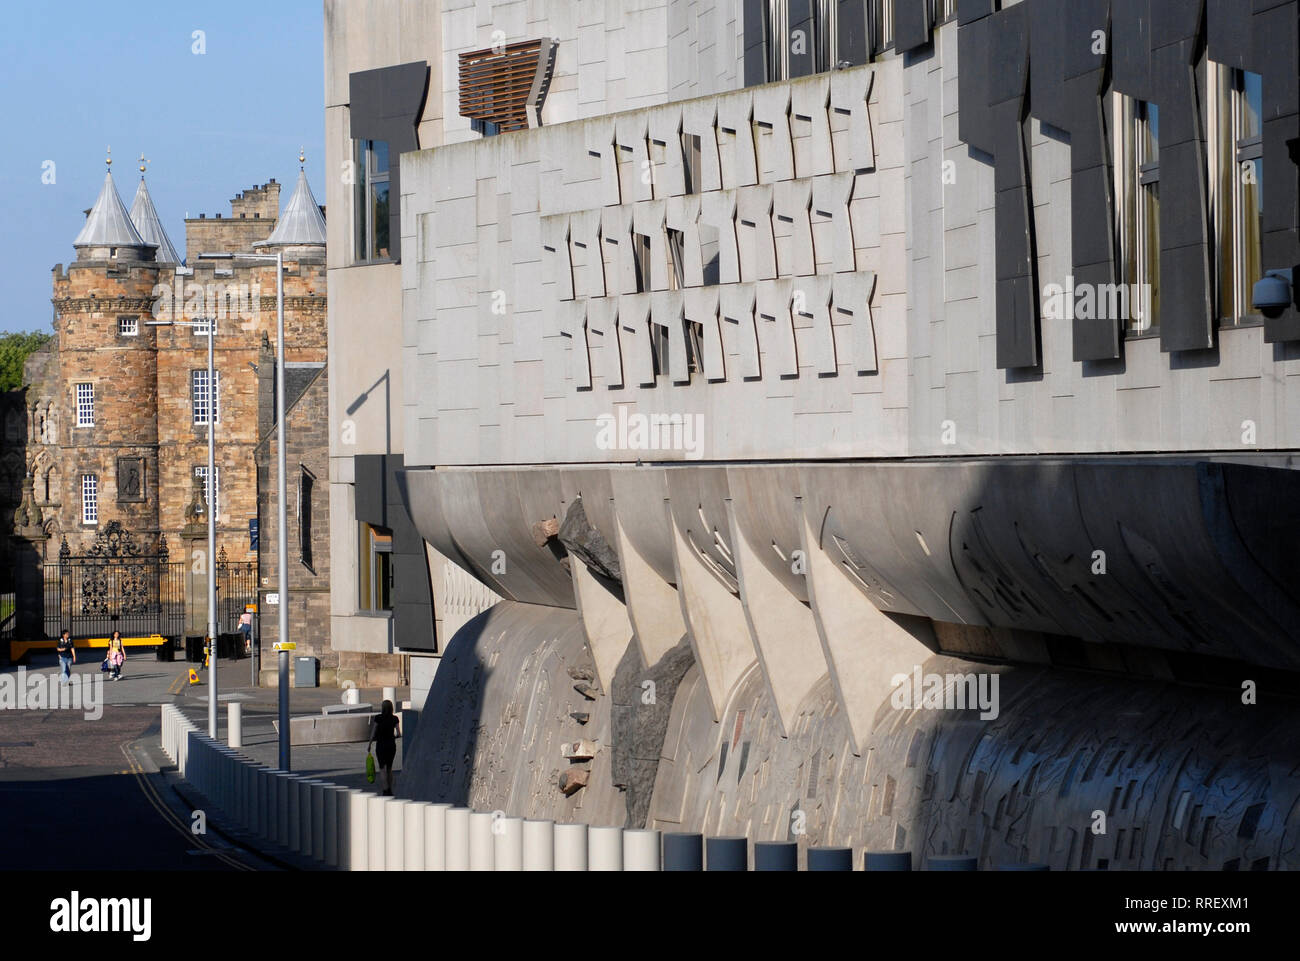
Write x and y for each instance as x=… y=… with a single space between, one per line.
x=642 y=702
x=583 y=541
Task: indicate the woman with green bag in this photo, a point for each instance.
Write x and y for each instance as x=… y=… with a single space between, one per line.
x=384 y=731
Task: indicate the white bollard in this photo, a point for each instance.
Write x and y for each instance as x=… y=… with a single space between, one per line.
x=335 y=810
x=234 y=724
x=435 y=837
x=457 y=839
x=255 y=781
x=539 y=846
x=508 y=844
x=480 y=840
x=283 y=805
x=413 y=858
x=318 y=789
x=303 y=834
x=377 y=844
x=358 y=830
x=395 y=834
x=604 y=849
x=390 y=694
x=641 y=850
x=570 y=847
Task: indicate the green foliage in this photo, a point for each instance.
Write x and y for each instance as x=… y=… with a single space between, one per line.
x=14 y=349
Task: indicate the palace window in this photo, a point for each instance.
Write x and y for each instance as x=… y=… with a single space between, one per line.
x=89 y=499
x=128 y=326
x=1234 y=105
x=201 y=327
x=211 y=492
x=199 y=396
x=1136 y=145
x=85 y=405
x=375 y=568
x=306 y=484
x=370 y=202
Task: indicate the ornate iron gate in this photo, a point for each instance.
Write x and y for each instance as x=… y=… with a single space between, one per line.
x=115 y=586
x=236 y=587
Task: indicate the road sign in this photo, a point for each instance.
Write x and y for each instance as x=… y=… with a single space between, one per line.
x=273 y=599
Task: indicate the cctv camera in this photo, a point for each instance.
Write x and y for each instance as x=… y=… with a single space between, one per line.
x=1272 y=294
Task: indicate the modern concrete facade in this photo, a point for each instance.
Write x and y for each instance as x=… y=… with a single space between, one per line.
x=746 y=377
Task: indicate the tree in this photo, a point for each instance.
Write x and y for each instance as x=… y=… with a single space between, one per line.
x=15 y=347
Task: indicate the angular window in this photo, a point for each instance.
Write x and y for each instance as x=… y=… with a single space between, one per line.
x=1136 y=144
x=128 y=326
x=89 y=499
x=370 y=206
x=85 y=405
x=783 y=41
x=1234 y=105
x=306 y=484
x=199 y=397
x=211 y=492
x=375 y=568
x=882 y=27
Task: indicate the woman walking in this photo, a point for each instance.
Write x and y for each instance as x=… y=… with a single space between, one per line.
x=384 y=731
x=116 y=656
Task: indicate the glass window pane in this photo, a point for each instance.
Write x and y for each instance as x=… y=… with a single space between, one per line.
x=1223 y=163
x=1150 y=287
x=1252 y=201
x=379 y=210
x=360 y=250
x=379 y=156
x=1252 y=104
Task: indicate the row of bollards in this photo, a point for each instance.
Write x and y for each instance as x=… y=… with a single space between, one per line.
x=359 y=831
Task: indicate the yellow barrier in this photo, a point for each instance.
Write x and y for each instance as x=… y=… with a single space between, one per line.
x=19 y=649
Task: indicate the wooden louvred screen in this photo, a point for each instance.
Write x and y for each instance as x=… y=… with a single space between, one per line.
x=495 y=85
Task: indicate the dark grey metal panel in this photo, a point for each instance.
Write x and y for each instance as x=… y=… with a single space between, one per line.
x=371 y=489
x=1184 y=307
x=1092 y=237
x=911 y=24
x=1009 y=54
x=800 y=17
x=755 y=42
x=1174 y=20
x=1047 y=56
x=1187 y=311
x=1130 y=39
x=1017 y=288
x=385 y=104
x=1229 y=32
x=1277 y=59
x=974 y=118
x=1083 y=18
x=854 y=41
x=968 y=11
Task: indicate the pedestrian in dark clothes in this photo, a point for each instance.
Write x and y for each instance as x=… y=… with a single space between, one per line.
x=384 y=732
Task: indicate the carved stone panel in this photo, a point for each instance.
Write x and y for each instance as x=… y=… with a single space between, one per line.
x=130 y=480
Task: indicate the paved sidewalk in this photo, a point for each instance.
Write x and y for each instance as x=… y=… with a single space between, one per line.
x=343 y=764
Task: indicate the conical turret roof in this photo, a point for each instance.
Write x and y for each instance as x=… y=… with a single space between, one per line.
x=145 y=217
x=108 y=224
x=302 y=223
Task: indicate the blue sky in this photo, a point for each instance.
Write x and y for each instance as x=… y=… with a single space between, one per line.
x=80 y=76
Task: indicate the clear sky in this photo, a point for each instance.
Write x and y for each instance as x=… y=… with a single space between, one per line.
x=78 y=76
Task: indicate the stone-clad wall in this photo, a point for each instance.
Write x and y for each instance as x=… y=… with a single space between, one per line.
x=871 y=334
x=801 y=212
x=89 y=299
x=610 y=56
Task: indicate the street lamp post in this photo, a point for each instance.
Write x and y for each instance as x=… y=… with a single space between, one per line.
x=209 y=493
x=282 y=536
